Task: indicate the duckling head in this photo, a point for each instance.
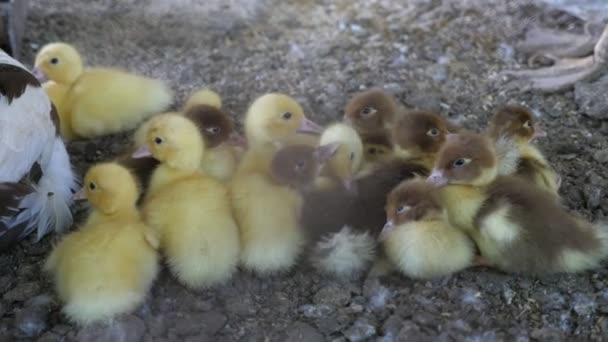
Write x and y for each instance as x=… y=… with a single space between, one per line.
x=515 y=122
x=465 y=158
x=173 y=140
x=411 y=201
x=346 y=161
x=371 y=110
x=276 y=117
x=215 y=125
x=58 y=62
x=419 y=133
x=203 y=97
x=110 y=187
x=299 y=165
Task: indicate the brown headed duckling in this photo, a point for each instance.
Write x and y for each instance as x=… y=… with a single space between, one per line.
x=371 y=111
x=517 y=228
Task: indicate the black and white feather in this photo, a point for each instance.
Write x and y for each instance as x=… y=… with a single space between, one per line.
x=36 y=177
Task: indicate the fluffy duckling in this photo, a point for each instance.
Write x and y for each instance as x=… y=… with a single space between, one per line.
x=106 y=267
x=517 y=123
x=371 y=111
x=418 y=238
x=190 y=211
x=346 y=160
x=517 y=228
x=419 y=135
x=97 y=101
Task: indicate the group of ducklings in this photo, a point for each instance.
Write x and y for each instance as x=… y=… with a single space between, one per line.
x=436 y=198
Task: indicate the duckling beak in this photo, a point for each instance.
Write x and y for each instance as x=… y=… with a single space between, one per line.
x=142 y=152
x=79 y=195
x=351 y=186
x=40 y=76
x=309 y=127
x=538 y=132
x=236 y=139
x=437 y=179
x=388 y=227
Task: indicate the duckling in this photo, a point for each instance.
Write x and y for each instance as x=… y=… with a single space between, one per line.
x=517 y=228
x=191 y=211
x=270 y=243
x=97 y=101
x=419 y=135
x=346 y=160
x=36 y=177
x=107 y=267
x=418 y=238
x=297 y=166
x=371 y=111
x=517 y=123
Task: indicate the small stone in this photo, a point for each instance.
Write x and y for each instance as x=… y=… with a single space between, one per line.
x=360 y=330
x=508 y=295
x=127 y=329
x=32 y=320
x=582 y=304
x=505 y=52
x=566 y=323
x=332 y=295
x=240 y=305
x=392 y=325
x=22 y=292
x=590 y=97
x=593 y=195
x=601 y=156
x=316 y=311
x=300 y=331
x=208 y=322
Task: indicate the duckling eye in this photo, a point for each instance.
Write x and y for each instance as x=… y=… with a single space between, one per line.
x=158 y=140
x=213 y=130
x=92 y=186
x=351 y=156
x=402 y=208
x=433 y=132
x=372 y=150
x=460 y=162
x=367 y=111
x=54 y=60
x=286 y=115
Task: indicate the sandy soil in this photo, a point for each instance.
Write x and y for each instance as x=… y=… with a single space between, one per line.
x=433 y=54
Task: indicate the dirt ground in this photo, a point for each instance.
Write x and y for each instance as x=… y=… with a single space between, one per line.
x=433 y=54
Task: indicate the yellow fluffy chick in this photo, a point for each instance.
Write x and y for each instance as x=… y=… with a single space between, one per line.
x=270 y=243
x=98 y=101
x=107 y=267
x=190 y=211
x=418 y=238
x=346 y=161
x=217 y=128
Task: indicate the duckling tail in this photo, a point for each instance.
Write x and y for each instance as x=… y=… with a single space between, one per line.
x=345 y=253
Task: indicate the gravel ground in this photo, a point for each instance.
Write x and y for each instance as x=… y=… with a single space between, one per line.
x=433 y=54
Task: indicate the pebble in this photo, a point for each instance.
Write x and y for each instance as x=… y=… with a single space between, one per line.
x=190 y=324
x=593 y=195
x=505 y=52
x=582 y=304
x=591 y=97
x=32 y=320
x=332 y=295
x=360 y=330
x=316 y=311
x=22 y=292
x=300 y=331
x=601 y=156
x=126 y=329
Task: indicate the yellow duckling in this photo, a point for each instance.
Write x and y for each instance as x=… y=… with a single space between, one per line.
x=269 y=242
x=107 y=267
x=98 y=101
x=190 y=211
x=346 y=161
x=418 y=238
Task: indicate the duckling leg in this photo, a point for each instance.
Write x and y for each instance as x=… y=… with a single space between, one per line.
x=565 y=73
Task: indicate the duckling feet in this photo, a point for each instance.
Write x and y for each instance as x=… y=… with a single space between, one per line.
x=480 y=261
x=565 y=72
